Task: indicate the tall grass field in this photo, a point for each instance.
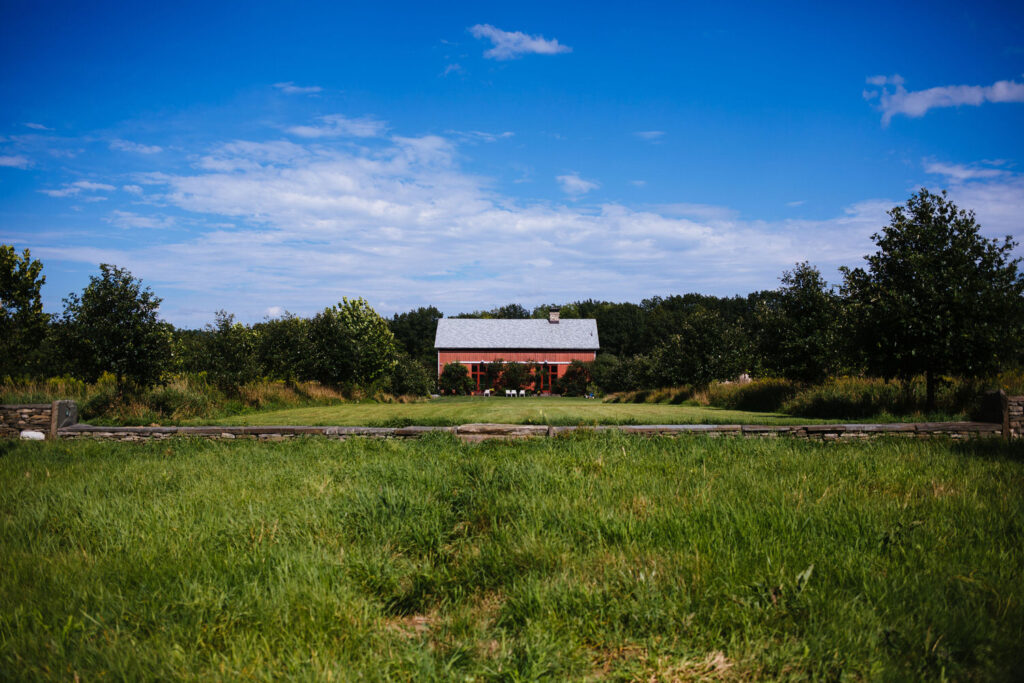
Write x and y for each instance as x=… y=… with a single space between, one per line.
x=593 y=556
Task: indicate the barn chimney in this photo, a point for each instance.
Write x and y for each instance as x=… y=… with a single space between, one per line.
x=553 y=315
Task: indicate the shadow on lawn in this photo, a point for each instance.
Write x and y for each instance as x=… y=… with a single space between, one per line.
x=991 y=449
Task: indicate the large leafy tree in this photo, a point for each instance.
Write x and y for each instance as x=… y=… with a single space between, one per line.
x=282 y=347
x=231 y=350
x=114 y=327
x=351 y=343
x=937 y=297
x=797 y=326
x=22 y=321
x=705 y=347
x=415 y=332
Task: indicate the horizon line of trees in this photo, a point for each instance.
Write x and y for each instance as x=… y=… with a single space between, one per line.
x=936 y=299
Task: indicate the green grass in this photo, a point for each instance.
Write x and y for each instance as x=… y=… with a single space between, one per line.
x=534 y=410
x=596 y=555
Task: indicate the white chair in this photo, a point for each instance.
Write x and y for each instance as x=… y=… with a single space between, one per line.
x=508 y=393
x=487 y=392
x=522 y=393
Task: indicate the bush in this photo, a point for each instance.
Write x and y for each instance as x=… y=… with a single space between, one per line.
x=575 y=380
x=455 y=379
x=410 y=378
x=764 y=395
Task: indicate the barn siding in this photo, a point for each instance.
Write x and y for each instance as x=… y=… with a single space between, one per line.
x=467 y=356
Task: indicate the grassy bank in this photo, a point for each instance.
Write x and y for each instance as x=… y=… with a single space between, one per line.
x=866 y=399
x=181 y=398
x=583 y=557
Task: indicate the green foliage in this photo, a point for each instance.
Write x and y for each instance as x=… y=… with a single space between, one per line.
x=231 y=353
x=857 y=398
x=704 y=348
x=113 y=327
x=410 y=378
x=765 y=395
x=798 y=326
x=351 y=344
x=455 y=380
x=492 y=374
x=415 y=332
x=508 y=311
x=22 y=320
x=283 y=348
x=937 y=298
x=516 y=376
x=593 y=556
x=576 y=380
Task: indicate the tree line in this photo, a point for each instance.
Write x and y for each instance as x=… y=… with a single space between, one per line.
x=935 y=299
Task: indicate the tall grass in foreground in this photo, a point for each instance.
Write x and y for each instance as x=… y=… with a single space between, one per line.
x=584 y=557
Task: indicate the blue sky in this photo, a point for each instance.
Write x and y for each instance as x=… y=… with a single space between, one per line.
x=263 y=157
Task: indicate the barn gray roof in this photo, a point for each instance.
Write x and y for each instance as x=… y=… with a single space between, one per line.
x=477 y=333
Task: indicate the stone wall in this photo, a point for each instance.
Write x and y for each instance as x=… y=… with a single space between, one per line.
x=1013 y=417
x=47 y=418
x=14 y=419
x=484 y=431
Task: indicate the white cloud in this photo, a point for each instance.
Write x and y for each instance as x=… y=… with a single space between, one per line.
x=274 y=312
x=575 y=186
x=71 y=189
x=37 y=126
x=14 y=161
x=92 y=187
x=303 y=225
x=289 y=88
x=336 y=125
x=128 y=219
x=794 y=204
x=133 y=189
x=135 y=147
x=917 y=103
x=649 y=135
x=480 y=136
x=638 y=183
x=452 y=69
x=513 y=44
x=960 y=172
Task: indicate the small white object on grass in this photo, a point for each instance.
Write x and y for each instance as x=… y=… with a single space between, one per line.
x=30 y=435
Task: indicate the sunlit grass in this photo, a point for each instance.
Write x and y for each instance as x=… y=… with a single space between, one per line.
x=582 y=557
x=539 y=410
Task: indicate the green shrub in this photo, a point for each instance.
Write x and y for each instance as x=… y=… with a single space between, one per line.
x=764 y=395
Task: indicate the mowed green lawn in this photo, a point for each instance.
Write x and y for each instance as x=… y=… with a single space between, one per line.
x=594 y=556
x=533 y=410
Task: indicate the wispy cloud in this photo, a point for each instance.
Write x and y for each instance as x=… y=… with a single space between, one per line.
x=452 y=69
x=894 y=99
x=289 y=88
x=961 y=172
x=794 y=204
x=575 y=186
x=77 y=187
x=135 y=147
x=129 y=219
x=513 y=44
x=14 y=161
x=480 y=136
x=37 y=126
x=649 y=135
x=638 y=183
x=337 y=125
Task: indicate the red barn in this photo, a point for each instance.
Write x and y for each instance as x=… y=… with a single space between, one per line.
x=474 y=342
